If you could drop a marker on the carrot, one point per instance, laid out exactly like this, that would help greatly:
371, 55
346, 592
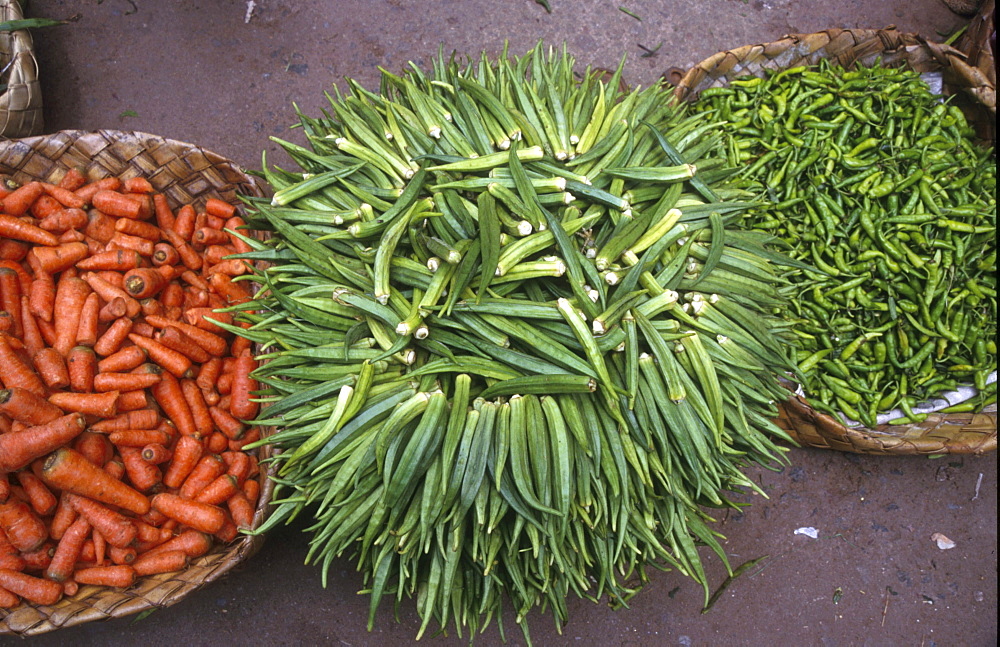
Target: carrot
122, 556
173, 338
164, 254
132, 400
168, 561
10, 298
239, 464
241, 510
125, 359
4, 487
219, 208
88, 190
235, 224
9, 600
156, 453
73, 179
170, 360
241, 405
113, 337
200, 414
27, 407
14, 371
137, 184
81, 366
205, 316
206, 470
64, 220
18, 201
232, 291
192, 543
56, 259
189, 257
100, 227
120, 576
13, 250
144, 282
33, 589
143, 475
139, 228
23, 230
71, 293
43, 206
42, 296
87, 327
251, 490
142, 246
68, 550
138, 437
51, 367
141, 419
197, 516
102, 405
68, 470
232, 428
42, 501
114, 203
31, 335
124, 381
162, 212
95, 447
205, 236
117, 260
184, 222
19, 448
211, 342
208, 373
100, 547
219, 490
24, 529
187, 453
62, 517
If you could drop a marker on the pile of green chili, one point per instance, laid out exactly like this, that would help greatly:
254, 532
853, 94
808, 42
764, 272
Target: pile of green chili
512, 339
876, 181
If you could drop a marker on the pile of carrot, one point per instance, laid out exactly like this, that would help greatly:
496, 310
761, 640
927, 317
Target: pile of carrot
125, 410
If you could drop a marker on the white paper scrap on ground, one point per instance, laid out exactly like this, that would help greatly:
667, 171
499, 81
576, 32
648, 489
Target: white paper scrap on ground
942, 542
808, 531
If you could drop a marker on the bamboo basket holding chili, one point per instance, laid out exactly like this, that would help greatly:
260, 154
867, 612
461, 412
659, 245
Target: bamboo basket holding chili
966, 427
179, 175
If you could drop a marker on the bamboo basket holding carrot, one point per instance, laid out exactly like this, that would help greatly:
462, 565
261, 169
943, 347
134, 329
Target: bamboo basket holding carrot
21, 99
87, 381
969, 87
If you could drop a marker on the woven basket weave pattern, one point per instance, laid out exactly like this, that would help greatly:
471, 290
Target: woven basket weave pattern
939, 433
21, 103
186, 174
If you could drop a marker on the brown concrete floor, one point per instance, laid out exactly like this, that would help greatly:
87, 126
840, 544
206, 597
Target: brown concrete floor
199, 72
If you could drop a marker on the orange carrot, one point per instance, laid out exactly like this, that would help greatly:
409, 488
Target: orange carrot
100, 227
143, 475
13, 250
121, 556
31, 333
19, 448
73, 179
33, 589
23, 528
56, 259
187, 453
120, 576
71, 293
173, 338
206, 470
241, 405
95, 447
133, 400
205, 236
10, 297
219, 490
113, 203
113, 310
239, 464
200, 414
141, 246
102, 405
156, 453
118, 260
251, 490
87, 327
64, 220
189, 257
138, 437
141, 419
42, 501
165, 254
168, 561
14, 371
241, 510
125, 359
27, 406
163, 213
81, 366
20, 229
137, 184
17, 202
192, 543
51, 367
112, 339
219, 208
226, 423
68, 550
197, 516
144, 282
44, 205
139, 228
68, 470
211, 342
124, 381
205, 317
42, 296
170, 360
88, 190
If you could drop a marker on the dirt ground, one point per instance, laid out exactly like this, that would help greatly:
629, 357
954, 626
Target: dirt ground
225, 75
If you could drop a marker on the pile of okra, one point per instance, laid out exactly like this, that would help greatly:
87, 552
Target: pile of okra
880, 185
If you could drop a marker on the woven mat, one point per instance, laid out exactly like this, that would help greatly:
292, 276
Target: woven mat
21, 103
186, 174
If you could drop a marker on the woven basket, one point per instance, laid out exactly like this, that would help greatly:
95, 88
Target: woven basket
185, 174
21, 103
975, 91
